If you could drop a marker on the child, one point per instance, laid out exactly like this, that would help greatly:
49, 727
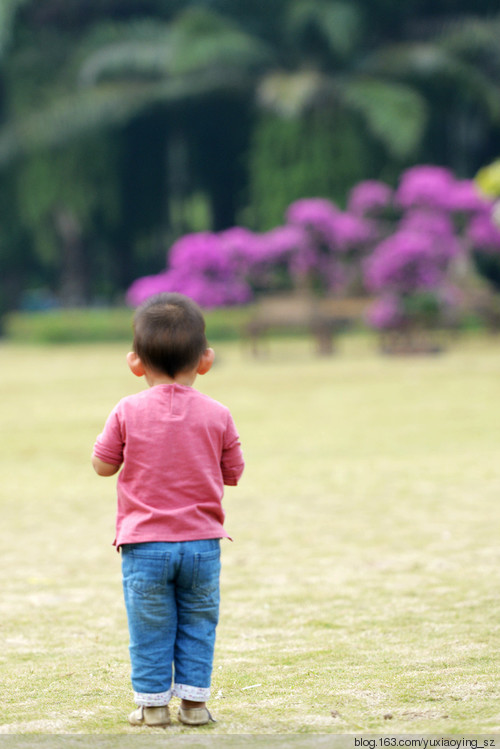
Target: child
178, 448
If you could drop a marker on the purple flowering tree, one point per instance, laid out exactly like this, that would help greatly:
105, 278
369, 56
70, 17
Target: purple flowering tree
423, 271
413, 249
370, 198
208, 267
226, 268
328, 260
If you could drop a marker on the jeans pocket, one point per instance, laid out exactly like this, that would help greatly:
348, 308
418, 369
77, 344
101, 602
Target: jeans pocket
145, 574
206, 571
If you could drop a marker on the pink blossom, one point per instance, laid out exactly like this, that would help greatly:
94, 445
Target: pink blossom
238, 238
369, 197
314, 212
405, 262
204, 266
317, 215
208, 292
203, 251
428, 186
279, 243
147, 286
465, 197
329, 226
348, 232
435, 224
237, 242
240, 247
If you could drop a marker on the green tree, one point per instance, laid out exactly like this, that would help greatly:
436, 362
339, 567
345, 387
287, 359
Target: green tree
174, 115
151, 83
375, 87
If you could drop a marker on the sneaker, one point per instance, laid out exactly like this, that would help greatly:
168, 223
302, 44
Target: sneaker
150, 716
195, 716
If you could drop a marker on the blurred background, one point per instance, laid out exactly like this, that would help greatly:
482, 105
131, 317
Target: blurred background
127, 125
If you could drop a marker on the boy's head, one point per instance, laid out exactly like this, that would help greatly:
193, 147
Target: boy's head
169, 334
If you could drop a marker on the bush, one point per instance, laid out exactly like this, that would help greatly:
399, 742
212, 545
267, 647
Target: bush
105, 325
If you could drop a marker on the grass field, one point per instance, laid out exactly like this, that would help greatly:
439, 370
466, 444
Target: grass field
362, 591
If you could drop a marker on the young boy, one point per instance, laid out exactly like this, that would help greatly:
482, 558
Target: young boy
178, 448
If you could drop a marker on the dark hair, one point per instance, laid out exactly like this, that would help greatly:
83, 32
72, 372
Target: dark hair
169, 333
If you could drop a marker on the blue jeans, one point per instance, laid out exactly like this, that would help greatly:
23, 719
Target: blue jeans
172, 601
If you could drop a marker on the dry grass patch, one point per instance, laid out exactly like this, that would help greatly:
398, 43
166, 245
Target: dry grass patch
364, 576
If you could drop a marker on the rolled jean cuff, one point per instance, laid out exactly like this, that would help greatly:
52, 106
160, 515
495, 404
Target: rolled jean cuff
194, 694
158, 699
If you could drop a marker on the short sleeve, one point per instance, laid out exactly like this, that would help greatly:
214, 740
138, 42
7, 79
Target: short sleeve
109, 444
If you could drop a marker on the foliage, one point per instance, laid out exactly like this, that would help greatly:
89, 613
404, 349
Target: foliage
85, 187
119, 70
402, 246
488, 179
241, 107
8, 9
297, 156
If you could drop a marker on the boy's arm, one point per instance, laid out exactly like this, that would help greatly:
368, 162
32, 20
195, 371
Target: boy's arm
102, 468
232, 463
107, 455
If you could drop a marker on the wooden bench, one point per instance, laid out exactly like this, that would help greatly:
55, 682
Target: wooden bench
322, 318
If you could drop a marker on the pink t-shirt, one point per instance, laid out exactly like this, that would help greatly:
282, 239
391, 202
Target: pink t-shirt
178, 448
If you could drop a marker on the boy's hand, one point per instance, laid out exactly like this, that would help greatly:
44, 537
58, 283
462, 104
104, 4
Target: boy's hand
102, 468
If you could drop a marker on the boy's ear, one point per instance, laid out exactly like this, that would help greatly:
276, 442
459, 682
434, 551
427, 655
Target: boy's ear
135, 364
206, 361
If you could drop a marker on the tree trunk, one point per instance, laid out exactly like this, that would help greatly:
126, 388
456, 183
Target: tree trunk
73, 279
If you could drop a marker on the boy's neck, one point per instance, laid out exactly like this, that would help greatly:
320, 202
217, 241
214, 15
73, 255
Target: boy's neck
159, 378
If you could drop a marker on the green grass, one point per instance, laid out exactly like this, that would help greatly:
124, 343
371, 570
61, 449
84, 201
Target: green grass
363, 581
105, 325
